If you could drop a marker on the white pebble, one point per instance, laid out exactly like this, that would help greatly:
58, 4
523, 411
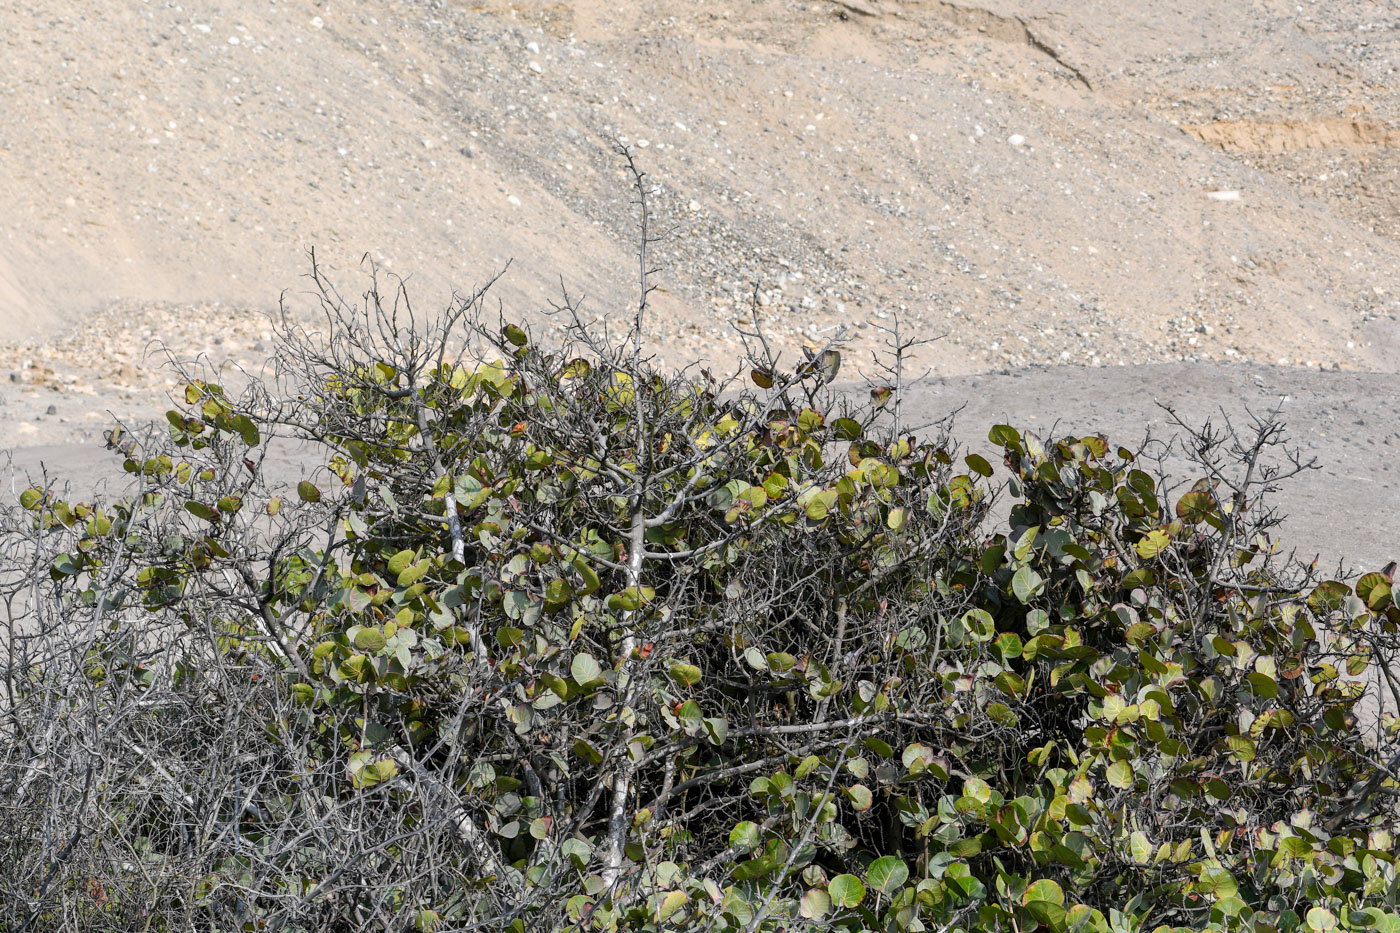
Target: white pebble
1016, 139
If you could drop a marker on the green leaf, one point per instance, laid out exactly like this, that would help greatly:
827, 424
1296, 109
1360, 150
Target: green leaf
1044, 890
590, 577
861, 797
886, 875
897, 519
370, 640
401, 562
1375, 590
31, 499
815, 904
246, 429
1321, 919
1027, 584
515, 335
821, 505
687, 675
1140, 848
1009, 644
1153, 543
717, 728
576, 369
307, 491
1195, 507
762, 378
744, 837
1004, 435
1120, 774
978, 465
585, 670
979, 624
1264, 686
632, 598
977, 789
847, 429
846, 891
557, 594
672, 902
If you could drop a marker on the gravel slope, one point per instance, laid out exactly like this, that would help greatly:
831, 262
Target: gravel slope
1087, 185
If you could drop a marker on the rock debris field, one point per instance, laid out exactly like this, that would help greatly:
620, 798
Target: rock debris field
1094, 207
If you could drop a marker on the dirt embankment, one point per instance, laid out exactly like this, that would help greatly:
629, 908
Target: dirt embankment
1077, 184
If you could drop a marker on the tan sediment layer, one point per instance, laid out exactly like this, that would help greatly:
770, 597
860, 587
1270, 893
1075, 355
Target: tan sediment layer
1294, 135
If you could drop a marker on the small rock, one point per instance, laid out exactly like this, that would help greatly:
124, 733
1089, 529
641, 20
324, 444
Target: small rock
51, 410
467, 151
513, 200
1016, 139
859, 6
535, 67
317, 22
1223, 195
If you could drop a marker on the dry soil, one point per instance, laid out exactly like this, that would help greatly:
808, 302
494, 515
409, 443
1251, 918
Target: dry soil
1094, 205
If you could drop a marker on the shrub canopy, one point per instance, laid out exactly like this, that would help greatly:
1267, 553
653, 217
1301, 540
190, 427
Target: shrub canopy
557, 641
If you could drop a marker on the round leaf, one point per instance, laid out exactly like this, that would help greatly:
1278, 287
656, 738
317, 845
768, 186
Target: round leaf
1195, 507
687, 675
1027, 584
1322, 920
846, 891
816, 904
744, 836
370, 640
887, 874
1044, 890
585, 670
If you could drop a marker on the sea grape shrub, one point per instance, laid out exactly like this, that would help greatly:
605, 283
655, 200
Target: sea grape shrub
563, 642
1182, 739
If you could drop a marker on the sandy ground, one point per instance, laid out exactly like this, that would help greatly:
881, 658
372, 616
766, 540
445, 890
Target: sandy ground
1146, 199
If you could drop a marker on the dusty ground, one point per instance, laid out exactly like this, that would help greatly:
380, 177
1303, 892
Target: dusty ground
1087, 185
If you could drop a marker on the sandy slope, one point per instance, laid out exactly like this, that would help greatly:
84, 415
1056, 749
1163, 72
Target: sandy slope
1037, 182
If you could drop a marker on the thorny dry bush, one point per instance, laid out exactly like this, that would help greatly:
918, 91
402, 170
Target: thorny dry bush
557, 641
